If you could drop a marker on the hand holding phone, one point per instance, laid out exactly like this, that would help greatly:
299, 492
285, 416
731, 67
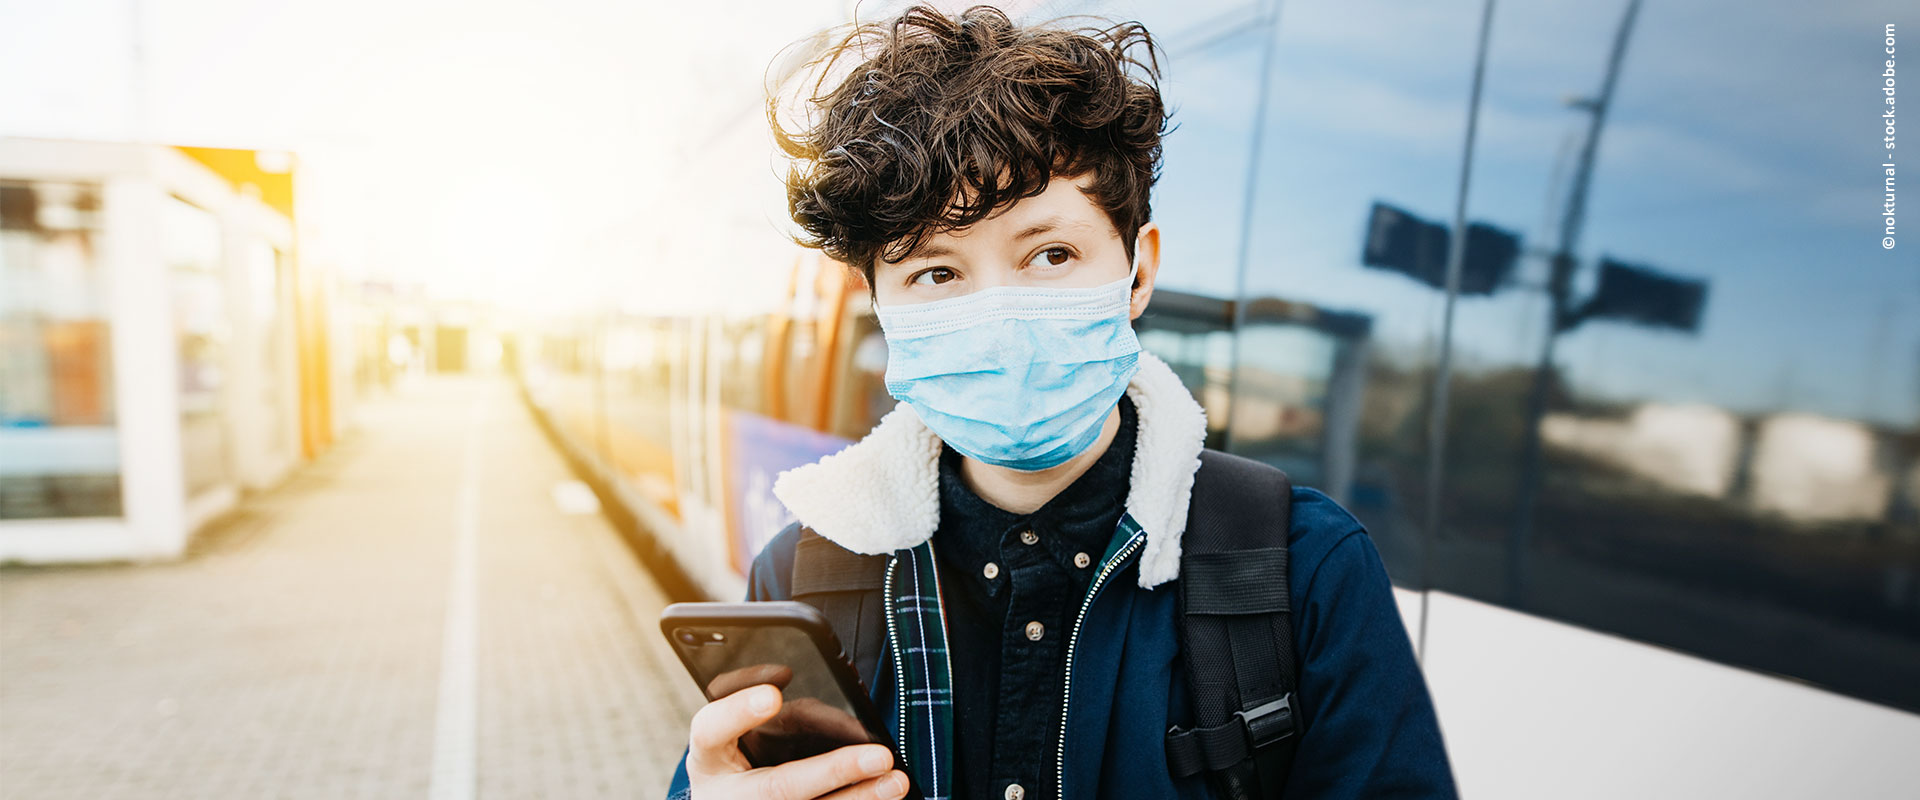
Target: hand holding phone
716, 768
787, 718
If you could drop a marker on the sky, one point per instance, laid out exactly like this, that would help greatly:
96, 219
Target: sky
476, 147
1742, 149
592, 154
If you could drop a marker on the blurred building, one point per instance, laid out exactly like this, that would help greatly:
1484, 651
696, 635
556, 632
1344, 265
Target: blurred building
161, 350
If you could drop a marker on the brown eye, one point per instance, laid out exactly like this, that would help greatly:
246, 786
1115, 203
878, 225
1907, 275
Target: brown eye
942, 270
1054, 256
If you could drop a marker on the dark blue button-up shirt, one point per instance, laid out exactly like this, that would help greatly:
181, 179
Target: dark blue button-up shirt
1007, 624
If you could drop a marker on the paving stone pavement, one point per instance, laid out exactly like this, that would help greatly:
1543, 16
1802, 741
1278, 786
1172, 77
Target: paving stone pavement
296, 652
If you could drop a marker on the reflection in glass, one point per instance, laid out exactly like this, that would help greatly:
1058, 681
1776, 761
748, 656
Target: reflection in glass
1194, 335
1726, 428
1721, 450
1300, 391
1688, 411
1367, 106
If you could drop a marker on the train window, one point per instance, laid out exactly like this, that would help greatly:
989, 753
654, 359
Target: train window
1210, 86
1194, 334
1298, 388
865, 399
1336, 359
1683, 402
799, 371
743, 384
638, 428
1717, 448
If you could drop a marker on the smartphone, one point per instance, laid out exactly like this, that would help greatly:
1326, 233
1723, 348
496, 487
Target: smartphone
731, 646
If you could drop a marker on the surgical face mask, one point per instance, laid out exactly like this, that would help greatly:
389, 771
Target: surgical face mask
1015, 376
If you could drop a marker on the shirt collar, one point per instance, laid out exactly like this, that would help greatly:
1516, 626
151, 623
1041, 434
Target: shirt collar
1078, 519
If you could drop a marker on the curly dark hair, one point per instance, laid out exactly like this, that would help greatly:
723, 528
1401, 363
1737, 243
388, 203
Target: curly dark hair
952, 118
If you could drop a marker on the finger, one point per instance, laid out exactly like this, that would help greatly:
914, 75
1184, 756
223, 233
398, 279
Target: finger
811, 777
831, 723
731, 681
713, 738
890, 786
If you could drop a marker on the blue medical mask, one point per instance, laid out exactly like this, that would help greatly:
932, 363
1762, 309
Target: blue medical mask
1014, 376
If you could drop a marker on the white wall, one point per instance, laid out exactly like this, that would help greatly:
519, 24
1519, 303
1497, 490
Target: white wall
1532, 708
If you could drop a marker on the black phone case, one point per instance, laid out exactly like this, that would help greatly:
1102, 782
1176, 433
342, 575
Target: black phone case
792, 614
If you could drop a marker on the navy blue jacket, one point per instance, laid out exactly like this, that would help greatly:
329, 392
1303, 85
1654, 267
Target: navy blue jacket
1368, 728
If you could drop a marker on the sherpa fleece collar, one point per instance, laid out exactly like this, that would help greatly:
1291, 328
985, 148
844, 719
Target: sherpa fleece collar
882, 493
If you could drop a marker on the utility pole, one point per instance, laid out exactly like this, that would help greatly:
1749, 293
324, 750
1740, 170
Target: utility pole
1271, 13
1456, 256
1562, 317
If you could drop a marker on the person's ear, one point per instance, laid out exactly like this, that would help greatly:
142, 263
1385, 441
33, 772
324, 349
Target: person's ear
861, 283
1146, 258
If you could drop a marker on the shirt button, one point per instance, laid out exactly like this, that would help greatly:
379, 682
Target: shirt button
1081, 560
1029, 537
992, 571
1035, 630
1015, 792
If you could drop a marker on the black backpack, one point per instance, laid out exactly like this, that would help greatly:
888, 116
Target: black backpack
1235, 623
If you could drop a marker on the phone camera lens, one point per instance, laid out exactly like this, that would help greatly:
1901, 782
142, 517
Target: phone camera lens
686, 636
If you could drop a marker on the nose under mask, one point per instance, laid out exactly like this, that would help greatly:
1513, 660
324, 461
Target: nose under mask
1015, 376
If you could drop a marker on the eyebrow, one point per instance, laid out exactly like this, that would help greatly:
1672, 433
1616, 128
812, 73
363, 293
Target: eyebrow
929, 250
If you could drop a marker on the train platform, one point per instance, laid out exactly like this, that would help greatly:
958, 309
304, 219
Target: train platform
430, 609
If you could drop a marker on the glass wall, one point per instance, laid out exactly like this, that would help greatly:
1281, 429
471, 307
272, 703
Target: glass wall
59, 447
1717, 447
1683, 402
1210, 62
1193, 333
1366, 104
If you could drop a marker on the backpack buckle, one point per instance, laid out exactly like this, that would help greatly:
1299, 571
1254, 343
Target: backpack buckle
1269, 723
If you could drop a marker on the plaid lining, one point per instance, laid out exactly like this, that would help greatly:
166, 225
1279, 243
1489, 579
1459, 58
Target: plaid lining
928, 681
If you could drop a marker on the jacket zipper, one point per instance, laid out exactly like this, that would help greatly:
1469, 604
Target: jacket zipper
899, 667
1073, 639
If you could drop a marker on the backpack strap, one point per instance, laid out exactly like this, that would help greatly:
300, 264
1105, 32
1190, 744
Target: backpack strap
846, 587
1236, 629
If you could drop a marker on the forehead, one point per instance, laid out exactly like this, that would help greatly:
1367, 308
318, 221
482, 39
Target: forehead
1063, 209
